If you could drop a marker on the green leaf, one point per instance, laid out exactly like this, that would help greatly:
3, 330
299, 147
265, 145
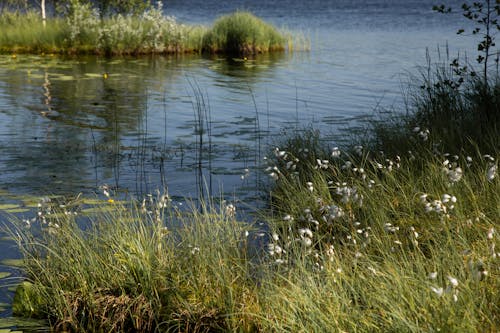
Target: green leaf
12, 262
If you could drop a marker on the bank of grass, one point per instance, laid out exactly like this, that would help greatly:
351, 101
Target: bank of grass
365, 244
83, 32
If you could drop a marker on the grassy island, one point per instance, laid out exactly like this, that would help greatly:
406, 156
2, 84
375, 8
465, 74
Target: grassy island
83, 31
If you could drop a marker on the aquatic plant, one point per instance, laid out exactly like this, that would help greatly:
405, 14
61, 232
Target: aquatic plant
242, 33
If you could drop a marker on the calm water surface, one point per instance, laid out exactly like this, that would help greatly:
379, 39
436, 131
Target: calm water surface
65, 129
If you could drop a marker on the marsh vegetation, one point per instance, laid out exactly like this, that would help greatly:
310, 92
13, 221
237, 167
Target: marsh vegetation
396, 231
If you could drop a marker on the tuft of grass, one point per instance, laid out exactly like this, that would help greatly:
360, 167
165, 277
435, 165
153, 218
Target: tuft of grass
141, 268
243, 33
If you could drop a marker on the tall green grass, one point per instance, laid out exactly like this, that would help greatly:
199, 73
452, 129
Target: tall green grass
140, 268
243, 33
25, 33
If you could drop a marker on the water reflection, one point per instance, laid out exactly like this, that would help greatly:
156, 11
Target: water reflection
72, 124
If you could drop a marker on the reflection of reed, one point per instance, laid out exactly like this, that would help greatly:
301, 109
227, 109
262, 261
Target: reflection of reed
47, 94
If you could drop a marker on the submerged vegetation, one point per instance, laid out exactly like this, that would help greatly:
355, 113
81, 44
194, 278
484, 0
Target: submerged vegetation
84, 31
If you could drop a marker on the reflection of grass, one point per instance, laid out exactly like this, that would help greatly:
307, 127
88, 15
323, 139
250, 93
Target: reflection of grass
152, 33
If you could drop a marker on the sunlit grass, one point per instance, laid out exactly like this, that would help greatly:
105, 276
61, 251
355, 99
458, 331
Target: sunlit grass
383, 244
25, 33
140, 268
243, 33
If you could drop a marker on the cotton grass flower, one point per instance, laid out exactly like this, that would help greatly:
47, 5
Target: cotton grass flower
491, 173
491, 233
454, 175
453, 281
438, 291
335, 152
230, 210
358, 150
305, 232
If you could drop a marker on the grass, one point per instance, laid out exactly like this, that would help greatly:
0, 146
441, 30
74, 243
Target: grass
243, 33
368, 244
364, 247
83, 32
130, 272
24, 33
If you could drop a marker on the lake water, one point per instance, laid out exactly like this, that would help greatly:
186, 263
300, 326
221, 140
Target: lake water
66, 129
